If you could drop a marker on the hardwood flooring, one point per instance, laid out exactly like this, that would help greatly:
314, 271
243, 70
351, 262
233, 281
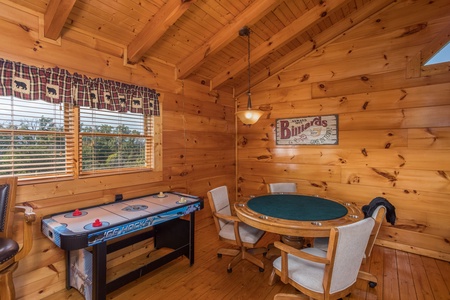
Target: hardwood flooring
401, 275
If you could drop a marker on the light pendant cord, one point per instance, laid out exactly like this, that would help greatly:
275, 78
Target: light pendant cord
249, 102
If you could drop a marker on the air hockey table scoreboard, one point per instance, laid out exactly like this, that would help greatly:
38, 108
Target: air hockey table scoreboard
87, 235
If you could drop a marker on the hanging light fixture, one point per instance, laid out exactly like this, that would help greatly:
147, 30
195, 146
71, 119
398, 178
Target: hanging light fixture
248, 116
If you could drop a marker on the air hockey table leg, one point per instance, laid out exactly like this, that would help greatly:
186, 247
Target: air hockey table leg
99, 271
68, 286
191, 238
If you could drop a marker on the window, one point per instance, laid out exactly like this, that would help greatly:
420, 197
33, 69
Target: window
56, 124
442, 56
112, 140
36, 138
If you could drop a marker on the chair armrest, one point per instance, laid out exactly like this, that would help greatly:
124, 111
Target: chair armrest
236, 221
28, 212
29, 218
227, 217
297, 252
286, 249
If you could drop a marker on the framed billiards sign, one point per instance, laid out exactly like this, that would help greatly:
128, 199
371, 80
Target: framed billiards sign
311, 130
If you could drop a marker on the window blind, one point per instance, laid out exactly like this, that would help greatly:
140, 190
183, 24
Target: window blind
114, 141
36, 138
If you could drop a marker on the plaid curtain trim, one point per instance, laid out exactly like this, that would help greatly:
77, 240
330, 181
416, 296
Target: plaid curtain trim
57, 85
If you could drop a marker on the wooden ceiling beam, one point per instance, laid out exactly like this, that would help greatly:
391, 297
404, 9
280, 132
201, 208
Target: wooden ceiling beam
155, 28
55, 17
351, 21
228, 33
301, 24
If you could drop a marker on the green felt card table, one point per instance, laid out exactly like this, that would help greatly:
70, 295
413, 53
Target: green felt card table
297, 215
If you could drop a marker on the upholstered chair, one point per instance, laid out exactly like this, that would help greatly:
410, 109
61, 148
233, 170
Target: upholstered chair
378, 215
10, 252
327, 274
231, 230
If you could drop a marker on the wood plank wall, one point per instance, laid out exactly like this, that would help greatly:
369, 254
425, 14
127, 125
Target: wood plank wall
394, 132
198, 141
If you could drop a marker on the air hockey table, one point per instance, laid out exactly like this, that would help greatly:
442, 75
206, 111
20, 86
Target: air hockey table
87, 235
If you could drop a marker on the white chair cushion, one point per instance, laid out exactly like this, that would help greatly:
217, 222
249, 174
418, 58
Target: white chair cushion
303, 272
321, 243
221, 202
283, 187
248, 234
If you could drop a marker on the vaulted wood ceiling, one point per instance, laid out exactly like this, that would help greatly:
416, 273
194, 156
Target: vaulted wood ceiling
200, 38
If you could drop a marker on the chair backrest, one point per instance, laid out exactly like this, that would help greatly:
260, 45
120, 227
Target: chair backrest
7, 204
378, 215
282, 187
347, 253
220, 203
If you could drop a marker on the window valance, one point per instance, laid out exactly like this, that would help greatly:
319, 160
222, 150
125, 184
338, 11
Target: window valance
57, 85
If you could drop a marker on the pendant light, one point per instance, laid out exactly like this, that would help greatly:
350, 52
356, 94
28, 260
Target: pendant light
248, 116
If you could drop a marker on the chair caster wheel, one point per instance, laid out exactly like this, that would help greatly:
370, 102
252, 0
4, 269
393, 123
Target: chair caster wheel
261, 269
229, 270
219, 255
372, 284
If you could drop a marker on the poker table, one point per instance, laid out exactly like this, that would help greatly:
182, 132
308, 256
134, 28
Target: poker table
296, 215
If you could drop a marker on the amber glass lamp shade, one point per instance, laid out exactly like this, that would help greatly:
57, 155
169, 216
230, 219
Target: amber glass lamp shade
249, 116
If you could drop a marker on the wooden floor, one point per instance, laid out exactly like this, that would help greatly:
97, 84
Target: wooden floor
401, 276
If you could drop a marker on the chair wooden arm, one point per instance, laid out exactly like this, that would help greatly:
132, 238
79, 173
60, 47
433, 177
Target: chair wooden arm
294, 251
29, 218
286, 249
236, 222
28, 212
227, 217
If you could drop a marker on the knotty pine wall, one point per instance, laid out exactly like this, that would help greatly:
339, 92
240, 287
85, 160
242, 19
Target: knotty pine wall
198, 143
394, 131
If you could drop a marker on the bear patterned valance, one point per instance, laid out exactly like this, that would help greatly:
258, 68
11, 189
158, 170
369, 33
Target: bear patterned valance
57, 85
